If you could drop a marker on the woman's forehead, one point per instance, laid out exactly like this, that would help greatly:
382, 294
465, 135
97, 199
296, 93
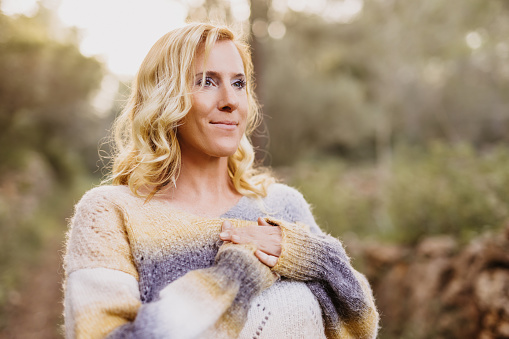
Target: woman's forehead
223, 56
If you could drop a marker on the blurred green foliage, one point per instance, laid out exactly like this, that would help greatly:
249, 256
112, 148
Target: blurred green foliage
48, 139
453, 190
400, 72
44, 93
432, 190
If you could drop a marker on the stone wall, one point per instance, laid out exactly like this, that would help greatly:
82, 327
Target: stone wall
438, 289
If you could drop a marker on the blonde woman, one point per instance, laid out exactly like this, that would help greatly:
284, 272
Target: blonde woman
190, 241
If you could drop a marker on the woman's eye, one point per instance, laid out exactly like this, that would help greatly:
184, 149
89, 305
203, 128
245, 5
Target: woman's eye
205, 83
240, 84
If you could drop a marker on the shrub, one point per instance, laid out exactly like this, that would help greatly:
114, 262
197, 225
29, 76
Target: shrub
440, 189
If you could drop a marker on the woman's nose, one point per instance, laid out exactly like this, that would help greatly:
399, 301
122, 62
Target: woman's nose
229, 100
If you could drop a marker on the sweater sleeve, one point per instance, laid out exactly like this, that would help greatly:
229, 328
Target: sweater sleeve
102, 297
320, 260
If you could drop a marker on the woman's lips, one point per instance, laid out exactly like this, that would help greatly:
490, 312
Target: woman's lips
228, 125
224, 123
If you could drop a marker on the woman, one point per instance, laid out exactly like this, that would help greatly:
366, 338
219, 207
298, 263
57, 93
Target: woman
191, 241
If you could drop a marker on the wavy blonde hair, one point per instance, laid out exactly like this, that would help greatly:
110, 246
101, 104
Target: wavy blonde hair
147, 151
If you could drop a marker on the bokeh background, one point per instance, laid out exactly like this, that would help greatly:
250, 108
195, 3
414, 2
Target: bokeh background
390, 116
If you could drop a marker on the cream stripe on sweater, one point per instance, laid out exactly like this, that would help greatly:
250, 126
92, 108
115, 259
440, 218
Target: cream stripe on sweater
144, 270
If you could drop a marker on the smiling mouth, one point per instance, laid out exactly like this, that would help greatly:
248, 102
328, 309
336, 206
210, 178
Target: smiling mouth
229, 123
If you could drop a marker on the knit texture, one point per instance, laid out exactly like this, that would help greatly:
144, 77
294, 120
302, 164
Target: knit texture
137, 269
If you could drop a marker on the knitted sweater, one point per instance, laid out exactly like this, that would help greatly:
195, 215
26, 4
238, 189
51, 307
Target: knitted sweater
137, 269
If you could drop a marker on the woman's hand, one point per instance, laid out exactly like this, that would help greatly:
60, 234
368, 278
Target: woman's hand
266, 237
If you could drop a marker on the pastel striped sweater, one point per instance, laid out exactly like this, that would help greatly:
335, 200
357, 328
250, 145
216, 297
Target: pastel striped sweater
137, 269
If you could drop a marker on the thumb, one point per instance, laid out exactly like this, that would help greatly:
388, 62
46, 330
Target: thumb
263, 222
227, 225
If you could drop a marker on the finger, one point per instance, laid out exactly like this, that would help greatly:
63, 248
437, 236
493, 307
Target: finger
227, 225
266, 259
226, 236
263, 222
226, 231
247, 235
238, 236
266, 222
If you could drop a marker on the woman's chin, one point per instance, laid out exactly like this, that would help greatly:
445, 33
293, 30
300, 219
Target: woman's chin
224, 151
225, 154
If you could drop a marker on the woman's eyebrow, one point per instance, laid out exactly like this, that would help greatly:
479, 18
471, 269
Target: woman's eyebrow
217, 74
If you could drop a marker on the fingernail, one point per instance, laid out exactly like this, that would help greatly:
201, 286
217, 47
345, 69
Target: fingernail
224, 234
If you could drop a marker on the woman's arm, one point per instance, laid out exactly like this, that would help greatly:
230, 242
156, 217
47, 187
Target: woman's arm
305, 253
344, 294
102, 296
310, 255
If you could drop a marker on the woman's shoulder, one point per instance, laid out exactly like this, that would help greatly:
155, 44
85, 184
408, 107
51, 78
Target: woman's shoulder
289, 204
285, 193
281, 196
103, 205
105, 194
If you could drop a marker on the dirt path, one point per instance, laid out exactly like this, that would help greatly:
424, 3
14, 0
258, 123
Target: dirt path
35, 311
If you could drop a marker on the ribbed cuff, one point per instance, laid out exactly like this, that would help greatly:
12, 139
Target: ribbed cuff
305, 256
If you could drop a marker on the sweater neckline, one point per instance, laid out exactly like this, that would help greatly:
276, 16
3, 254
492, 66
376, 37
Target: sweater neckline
223, 215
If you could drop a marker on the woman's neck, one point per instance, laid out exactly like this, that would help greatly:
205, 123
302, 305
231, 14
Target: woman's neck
209, 177
203, 187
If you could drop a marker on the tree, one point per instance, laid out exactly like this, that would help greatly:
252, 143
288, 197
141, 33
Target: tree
45, 86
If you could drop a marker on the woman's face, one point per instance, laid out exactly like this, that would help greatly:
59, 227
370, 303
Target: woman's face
217, 120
